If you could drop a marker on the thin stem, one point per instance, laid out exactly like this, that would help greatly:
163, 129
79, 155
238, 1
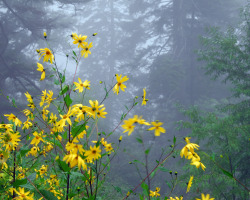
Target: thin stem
14, 171
152, 171
68, 177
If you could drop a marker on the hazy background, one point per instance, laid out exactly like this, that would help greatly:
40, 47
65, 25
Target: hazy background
153, 42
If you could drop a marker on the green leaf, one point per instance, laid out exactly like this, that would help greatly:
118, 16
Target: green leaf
14, 102
17, 183
227, 173
174, 140
63, 166
64, 89
56, 82
168, 184
145, 188
63, 79
48, 195
118, 189
76, 130
139, 140
147, 151
74, 53
163, 169
68, 100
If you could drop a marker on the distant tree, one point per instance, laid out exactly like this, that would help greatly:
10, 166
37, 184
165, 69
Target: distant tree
224, 133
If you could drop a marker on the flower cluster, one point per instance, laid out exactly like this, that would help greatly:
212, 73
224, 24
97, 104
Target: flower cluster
188, 152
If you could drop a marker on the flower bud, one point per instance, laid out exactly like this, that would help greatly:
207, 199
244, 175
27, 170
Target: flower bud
170, 172
94, 34
45, 35
176, 173
120, 138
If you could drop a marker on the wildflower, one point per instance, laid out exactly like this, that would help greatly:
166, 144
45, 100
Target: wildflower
49, 98
22, 195
119, 84
33, 151
27, 124
45, 112
38, 138
42, 171
43, 97
28, 113
198, 164
155, 193
120, 138
101, 113
108, 147
13, 118
75, 159
4, 155
139, 120
144, 100
176, 198
79, 40
95, 108
65, 118
157, 127
73, 35
189, 183
203, 197
80, 85
85, 52
45, 35
94, 34
10, 140
48, 56
93, 153
128, 126
41, 69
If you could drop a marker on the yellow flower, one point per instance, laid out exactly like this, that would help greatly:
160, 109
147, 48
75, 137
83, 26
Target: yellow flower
120, 138
38, 138
27, 124
45, 35
189, 183
48, 56
80, 85
65, 118
41, 69
93, 153
49, 98
157, 127
128, 126
43, 97
95, 108
155, 193
203, 197
108, 147
139, 120
101, 113
85, 52
119, 84
79, 40
144, 100
75, 159
22, 195
198, 164
10, 140
33, 151
42, 171
13, 118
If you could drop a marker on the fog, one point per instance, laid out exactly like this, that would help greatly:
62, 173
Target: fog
154, 43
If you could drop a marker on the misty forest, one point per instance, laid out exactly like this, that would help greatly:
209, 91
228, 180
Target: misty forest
115, 99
